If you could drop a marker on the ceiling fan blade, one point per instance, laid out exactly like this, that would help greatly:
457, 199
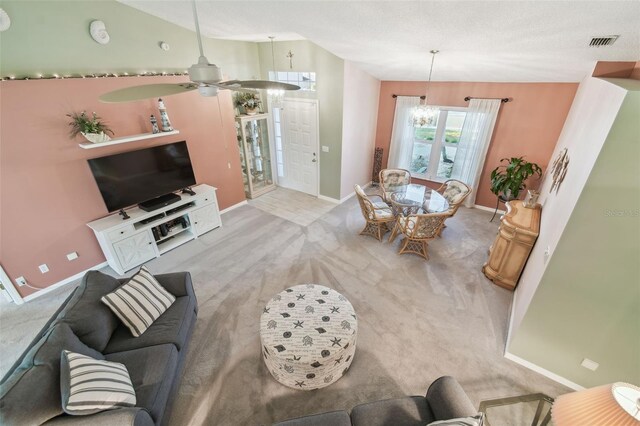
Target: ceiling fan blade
146, 91
263, 84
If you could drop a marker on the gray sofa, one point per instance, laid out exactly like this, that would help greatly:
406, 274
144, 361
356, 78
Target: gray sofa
445, 400
30, 391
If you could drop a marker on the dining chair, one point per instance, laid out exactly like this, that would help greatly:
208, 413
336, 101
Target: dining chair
390, 179
417, 230
377, 214
455, 192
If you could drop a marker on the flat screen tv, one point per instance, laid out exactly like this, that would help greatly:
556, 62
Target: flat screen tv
137, 176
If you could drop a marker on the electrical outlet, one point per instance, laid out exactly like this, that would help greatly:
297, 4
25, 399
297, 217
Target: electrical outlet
43, 268
589, 364
21, 281
547, 254
72, 256
228, 164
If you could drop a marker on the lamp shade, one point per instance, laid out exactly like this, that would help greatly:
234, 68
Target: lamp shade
616, 404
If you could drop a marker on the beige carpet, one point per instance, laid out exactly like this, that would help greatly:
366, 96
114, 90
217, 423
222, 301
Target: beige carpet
417, 320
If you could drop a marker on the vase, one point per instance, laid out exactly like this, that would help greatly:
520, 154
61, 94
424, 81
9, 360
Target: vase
251, 111
96, 137
531, 199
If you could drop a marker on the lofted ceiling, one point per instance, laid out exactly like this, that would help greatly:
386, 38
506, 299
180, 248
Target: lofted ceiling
496, 41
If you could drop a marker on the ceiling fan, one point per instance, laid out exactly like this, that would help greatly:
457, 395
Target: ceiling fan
205, 77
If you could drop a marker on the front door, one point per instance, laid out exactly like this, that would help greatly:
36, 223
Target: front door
300, 145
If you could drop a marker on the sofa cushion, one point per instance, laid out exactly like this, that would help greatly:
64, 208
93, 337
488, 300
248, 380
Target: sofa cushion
466, 421
139, 302
90, 385
152, 372
31, 394
87, 316
171, 327
408, 411
333, 418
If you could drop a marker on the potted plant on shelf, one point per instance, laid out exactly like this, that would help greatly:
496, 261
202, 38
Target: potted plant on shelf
250, 102
507, 180
91, 128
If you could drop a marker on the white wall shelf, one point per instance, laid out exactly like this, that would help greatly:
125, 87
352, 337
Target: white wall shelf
126, 139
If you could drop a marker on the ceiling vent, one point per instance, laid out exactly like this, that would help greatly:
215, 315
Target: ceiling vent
603, 41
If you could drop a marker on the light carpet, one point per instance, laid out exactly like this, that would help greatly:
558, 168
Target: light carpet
417, 320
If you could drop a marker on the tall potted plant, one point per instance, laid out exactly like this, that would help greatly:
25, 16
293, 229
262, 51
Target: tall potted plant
507, 180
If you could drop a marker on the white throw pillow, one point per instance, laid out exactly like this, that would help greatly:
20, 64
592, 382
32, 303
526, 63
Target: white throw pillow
89, 385
139, 302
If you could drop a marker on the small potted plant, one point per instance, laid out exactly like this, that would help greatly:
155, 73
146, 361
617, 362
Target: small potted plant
250, 102
91, 128
507, 180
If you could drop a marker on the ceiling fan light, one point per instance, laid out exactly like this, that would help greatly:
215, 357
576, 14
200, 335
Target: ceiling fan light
207, 91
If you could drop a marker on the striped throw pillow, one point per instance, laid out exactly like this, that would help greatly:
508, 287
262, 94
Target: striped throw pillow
89, 385
139, 302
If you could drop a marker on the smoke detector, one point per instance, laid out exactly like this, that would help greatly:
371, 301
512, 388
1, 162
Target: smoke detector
603, 41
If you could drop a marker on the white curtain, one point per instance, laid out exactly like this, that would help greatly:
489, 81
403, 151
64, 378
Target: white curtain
474, 143
401, 146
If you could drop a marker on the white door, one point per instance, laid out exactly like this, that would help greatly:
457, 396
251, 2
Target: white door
300, 145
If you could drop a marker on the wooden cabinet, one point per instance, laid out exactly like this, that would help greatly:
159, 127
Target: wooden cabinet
518, 232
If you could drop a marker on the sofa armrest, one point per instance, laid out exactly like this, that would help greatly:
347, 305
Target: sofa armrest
448, 400
178, 283
133, 416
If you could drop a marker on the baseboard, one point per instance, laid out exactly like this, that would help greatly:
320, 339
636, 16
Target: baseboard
544, 372
63, 282
489, 209
235, 206
343, 199
329, 199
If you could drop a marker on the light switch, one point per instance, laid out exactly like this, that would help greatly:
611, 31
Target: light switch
72, 256
44, 268
589, 364
325, 148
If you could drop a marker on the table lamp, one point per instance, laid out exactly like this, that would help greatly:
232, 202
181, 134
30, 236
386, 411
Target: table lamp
616, 404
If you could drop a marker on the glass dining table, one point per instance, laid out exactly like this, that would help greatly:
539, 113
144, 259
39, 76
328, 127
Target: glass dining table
414, 199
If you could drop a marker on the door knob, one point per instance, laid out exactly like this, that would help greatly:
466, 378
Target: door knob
313, 161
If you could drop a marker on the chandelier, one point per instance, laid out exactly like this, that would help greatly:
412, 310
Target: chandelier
424, 115
276, 95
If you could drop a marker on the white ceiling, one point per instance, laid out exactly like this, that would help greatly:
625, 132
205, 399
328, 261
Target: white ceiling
498, 41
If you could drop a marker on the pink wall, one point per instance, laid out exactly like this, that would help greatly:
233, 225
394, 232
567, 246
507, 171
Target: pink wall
359, 115
48, 193
528, 126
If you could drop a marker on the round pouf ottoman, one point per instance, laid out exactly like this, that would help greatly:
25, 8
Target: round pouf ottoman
308, 335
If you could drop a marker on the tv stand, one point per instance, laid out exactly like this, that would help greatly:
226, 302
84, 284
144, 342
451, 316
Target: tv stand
124, 214
147, 235
159, 202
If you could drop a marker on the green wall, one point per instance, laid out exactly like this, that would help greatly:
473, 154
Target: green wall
329, 71
53, 37
588, 302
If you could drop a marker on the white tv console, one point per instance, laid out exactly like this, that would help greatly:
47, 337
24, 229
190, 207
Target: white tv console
131, 242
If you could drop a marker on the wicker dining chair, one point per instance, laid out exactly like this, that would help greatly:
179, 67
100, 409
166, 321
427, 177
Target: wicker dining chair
418, 229
377, 215
391, 179
455, 192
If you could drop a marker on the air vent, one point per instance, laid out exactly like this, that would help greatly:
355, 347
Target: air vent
603, 41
